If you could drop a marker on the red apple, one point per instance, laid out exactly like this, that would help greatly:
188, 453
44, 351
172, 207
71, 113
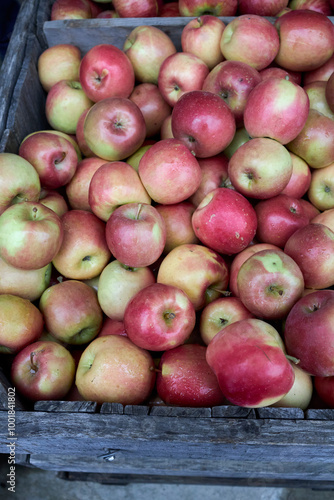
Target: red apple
326, 218
319, 97
276, 72
325, 389
135, 8
195, 8
321, 6
70, 9
170, 9
60, 62
107, 14
77, 190
300, 179
112, 327
319, 74
53, 200
262, 7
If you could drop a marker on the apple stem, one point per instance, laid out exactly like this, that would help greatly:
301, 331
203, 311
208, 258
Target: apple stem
225, 293
292, 359
33, 365
140, 205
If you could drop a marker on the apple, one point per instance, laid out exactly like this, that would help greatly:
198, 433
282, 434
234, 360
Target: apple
319, 74
306, 40
184, 378
113, 369
268, 8
251, 39
70, 137
166, 128
201, 37
233, 81
195, 8
314, 143
250, 364
248, 168
83, 253
96, 6
151, 103
77, 190
326, 218
28, 284
301, 392
60, 62
21, 323
80, 136
19, 181
53, 157
320, 192
114, 128
214, 175
316, 92
269, 284
240, 258
71, 312
30, 235
240, 137
308, 333
70, 9
276, 72
321, 6
43, 370
203, 122
179, 229
147, 47
65, 102
197, 270
134, 159
219, 314
329, 93
324, 387
133, 8
107, 14
169, 172
136, 234
170, 9
112, 327
300, 179
312, 248
225, 221
278, 218
159, 317
310, 210
180, 73
114, 184
54, 200
276, 109
118, 283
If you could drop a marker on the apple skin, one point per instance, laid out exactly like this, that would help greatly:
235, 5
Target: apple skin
180, 73
22, 323
43, 371
195, 8
201, 37
197, 270
151, 103
268, 8
324, 387
185, 379
306, 40
69, 137
326, 218
301, 392
321, 6
320, 192
329, 92
251, 39
225, 221
233, 81
276, 72
54, 200
65, 103
276, 109
118, 284
80, 136
314, 143
219, 314
84, 252
135, 8
77, 190
159, 317
312, 248
322, 73
60, 62
112, 327
74, 9
30, 235
169, 172
300, 179
105, 71
136, 234
166, 128
53, 157
28, 284
316, 92
250, 364
19, 181
147, 47
134, 159
248, 168
308, 333
114, 184
112, 369
203, 122
278, 218
269, 284
71, 312
240, 137
114, 128
170, 9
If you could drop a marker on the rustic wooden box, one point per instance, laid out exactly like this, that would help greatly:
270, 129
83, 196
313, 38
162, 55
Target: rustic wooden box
112, 443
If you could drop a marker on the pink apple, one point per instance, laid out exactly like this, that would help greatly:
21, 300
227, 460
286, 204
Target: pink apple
43, 370
170, 9
159, 317
225, 221
28, 284
326, 218
276, 109
114, 128
77, 190
169, 172
53, 200
60, 62
262, 7
320, 97
321, 6
151, 103
320, 192
203, 122
22, 323
251, 39
300, 179
136, 234
324, 387
250, 364
184, 378
201, 37
194, 8
276, 72
70, 9
133, 8
319, 74
112, 327
308, 333
107, 14
105, 71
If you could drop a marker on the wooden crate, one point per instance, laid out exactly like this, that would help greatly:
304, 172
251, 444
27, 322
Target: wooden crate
116, 444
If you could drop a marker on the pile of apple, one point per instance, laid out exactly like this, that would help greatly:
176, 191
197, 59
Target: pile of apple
171, 237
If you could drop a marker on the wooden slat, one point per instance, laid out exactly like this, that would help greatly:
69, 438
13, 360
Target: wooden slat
66, 406
4, 387
320, 414
229, 411
112, 408
271, 412
178, 411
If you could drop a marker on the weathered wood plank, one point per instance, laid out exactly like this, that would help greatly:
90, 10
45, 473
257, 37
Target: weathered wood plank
9, 142
229, 411
320, 414
6, 390
273, 412
113, 408
178, 411
66, 406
